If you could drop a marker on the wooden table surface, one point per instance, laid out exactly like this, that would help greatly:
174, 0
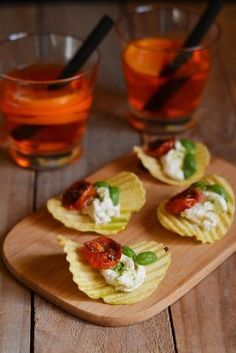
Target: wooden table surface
204, 319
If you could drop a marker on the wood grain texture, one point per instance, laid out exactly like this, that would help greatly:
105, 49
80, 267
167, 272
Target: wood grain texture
15, 300
39, 262
56, 332
15, 304
208, 311
107, 137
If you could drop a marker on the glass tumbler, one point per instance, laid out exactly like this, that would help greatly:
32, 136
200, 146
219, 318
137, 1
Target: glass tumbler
164, 80
45, 117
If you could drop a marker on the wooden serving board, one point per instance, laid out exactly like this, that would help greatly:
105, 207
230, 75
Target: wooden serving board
32, 254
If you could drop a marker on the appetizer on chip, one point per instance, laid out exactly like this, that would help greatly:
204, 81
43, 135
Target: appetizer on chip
102, 268
103, 207
204, 210
176, 162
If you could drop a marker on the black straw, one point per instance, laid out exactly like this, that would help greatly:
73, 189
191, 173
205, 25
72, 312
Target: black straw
87, 48
24, 132
169, 88
83, 53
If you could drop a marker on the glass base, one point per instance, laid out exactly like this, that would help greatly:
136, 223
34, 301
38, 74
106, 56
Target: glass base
161, 126
46, 161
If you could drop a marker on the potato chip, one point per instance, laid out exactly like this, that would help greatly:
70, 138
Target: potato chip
154, 167
132, 198
186, 228
92, 283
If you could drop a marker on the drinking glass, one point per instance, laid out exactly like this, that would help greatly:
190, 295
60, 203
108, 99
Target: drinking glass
45, 117
161, 100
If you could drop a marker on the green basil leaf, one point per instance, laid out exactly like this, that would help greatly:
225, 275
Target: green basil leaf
189, 165
145, 258
202, 185
219, 189
126, 250
114, 194
189, 146
101, 184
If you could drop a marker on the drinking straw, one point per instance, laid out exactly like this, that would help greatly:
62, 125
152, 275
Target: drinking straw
23, 132
87, 48
172, 85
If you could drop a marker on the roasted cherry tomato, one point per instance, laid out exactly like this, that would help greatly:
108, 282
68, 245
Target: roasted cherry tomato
180, 202
158, 148
102, 252
79, 195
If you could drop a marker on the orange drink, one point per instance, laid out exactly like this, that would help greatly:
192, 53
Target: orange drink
45, 118
161, 100
143, 61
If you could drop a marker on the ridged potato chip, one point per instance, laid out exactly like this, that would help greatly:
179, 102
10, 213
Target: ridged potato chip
132, 198
154, 167
185, 228
92, 283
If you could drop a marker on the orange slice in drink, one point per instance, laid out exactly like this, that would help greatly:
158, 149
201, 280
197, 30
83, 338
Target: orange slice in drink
148, 55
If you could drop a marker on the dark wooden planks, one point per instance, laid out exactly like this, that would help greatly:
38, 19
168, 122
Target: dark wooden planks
16, 201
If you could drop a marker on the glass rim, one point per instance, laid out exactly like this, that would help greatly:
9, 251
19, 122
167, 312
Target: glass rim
20, 35
151, 8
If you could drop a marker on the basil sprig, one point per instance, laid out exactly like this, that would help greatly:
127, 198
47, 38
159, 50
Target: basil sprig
217, 188
144, 258
189, 146
189, 165
114, 192
126, 250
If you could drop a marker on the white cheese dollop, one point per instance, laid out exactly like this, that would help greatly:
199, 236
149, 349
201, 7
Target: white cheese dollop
129, 277
102, 210
204, 213
172, 162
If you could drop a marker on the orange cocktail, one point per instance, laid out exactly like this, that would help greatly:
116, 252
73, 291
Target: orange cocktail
164, 77
143, 61
45, 118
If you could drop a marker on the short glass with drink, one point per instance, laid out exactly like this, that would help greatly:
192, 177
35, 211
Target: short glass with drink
163, 100
45, 117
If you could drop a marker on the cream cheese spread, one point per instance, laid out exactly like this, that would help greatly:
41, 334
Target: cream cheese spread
172, 162
204, 213
102, 210
126, 276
